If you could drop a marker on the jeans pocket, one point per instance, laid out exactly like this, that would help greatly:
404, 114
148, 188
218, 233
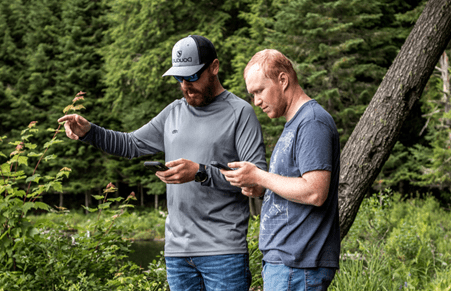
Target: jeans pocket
318, 279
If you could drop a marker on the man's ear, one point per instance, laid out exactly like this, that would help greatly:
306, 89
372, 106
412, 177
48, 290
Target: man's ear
214, 67
284, 81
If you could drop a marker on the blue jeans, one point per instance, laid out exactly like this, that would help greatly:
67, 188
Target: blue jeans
209, 273
283, 278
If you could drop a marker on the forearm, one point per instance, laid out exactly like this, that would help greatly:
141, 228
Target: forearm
116, 143
311, 191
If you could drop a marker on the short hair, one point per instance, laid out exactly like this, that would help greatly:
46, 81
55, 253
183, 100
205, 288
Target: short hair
272, 62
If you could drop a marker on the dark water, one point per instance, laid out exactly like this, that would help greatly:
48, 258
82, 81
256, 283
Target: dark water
145, 252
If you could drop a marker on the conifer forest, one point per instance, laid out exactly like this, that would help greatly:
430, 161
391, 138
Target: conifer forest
379, 67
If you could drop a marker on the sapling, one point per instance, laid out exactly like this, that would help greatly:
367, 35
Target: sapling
16, 202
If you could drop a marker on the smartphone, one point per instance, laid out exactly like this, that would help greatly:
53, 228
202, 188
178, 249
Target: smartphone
155, 166
220, 165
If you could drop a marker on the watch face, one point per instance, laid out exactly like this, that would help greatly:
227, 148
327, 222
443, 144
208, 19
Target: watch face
200, 176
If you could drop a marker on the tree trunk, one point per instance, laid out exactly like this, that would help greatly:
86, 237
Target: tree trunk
376, 133
255, 206
87, 200
156, 202
252, 206
61, 199
141, 194
444, 71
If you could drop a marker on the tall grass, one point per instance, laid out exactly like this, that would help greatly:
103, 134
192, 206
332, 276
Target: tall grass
394, 244
397, 245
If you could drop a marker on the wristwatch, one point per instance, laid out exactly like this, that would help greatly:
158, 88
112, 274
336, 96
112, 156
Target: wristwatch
201, 175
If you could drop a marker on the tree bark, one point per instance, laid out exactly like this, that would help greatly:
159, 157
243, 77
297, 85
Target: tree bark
61, 199
373, 138
255, 206
141, 194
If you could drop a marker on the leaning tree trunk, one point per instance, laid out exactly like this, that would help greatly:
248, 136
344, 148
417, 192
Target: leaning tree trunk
376, 133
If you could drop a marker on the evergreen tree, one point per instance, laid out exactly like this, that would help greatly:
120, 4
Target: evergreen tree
50, 53
342, 49
142, 35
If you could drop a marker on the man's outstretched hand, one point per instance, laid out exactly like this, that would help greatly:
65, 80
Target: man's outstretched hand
76, 126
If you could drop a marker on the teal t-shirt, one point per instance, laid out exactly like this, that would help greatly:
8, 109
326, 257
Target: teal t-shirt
203, 219
294, 234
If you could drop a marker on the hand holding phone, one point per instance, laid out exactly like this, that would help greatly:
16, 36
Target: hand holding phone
155, 166
220, 166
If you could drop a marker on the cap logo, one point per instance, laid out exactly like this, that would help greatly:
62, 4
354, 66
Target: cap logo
179, 54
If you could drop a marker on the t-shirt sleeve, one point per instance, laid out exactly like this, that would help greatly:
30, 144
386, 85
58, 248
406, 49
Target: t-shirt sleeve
249, 139
248, 144
147, 140
314, 148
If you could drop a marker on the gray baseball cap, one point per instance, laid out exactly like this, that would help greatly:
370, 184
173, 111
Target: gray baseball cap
190, 54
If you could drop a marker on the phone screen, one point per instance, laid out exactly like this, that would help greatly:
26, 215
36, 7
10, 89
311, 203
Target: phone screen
156, 166
220, 166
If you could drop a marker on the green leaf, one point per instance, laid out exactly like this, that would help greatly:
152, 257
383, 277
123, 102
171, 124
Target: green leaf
104, 205
3, 155
52, 142
90, 209
5, 168
98, 197
41, 205
127, 205
15, 143
33, 154
69, 107
63, 173
118, 199
39, 189
31, 146
20, 159
57, 186
51, 157
34, 178
27, 206
25, 137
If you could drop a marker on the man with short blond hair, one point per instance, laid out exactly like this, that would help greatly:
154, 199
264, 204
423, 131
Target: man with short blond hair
299, 227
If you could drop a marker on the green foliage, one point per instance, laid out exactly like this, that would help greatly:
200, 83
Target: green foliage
342, 49
425, 164
46, 255
395, 244
136, 225
255, 255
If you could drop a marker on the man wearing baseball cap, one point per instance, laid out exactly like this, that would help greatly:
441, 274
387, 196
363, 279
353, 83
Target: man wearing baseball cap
205, 237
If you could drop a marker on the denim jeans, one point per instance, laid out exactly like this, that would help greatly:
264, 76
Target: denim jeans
283, 278
209, 273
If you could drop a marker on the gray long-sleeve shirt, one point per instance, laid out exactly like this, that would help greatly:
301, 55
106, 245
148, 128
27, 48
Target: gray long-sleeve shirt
209, 218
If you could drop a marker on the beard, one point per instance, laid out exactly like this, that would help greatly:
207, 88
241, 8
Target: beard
202, 97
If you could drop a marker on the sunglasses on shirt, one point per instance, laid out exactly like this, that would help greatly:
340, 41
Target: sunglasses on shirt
192, 78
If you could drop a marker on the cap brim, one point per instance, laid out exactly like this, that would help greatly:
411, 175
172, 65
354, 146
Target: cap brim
183, 71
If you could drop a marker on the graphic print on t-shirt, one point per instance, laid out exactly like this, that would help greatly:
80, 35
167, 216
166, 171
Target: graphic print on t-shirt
277, 214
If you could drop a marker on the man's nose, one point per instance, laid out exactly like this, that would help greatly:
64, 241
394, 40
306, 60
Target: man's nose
257, 101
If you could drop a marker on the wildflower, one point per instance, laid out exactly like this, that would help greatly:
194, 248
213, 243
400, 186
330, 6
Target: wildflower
115, 216
110, 185
78, 98
19, 146
33, 123
132, 196
66, 169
